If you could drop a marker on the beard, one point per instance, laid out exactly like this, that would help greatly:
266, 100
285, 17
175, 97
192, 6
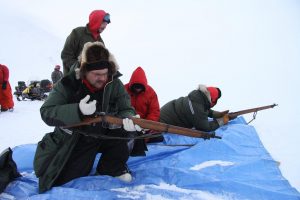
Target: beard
99, 84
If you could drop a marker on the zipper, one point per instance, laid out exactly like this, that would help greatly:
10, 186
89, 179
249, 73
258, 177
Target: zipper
112, 78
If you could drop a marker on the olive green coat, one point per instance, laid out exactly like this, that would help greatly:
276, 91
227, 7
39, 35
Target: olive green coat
62, 109
191, 111
73, 46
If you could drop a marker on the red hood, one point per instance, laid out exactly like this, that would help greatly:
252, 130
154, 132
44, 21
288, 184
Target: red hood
4, 74
95, 21
138, 76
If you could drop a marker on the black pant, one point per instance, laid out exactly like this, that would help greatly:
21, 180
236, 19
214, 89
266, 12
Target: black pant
113, 160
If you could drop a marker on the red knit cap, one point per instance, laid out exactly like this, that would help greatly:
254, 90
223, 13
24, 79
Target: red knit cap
215, 94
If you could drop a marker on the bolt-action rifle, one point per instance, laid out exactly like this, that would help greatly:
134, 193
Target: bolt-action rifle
147, 124
233, 115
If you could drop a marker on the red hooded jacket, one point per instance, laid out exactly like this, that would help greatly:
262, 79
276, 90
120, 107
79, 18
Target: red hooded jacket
6, 98
145, 103
95, 20
4, 74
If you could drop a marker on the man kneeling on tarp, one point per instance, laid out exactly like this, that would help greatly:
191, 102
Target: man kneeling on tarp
67, 154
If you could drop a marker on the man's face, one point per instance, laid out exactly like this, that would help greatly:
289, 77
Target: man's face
102, 27
97, 78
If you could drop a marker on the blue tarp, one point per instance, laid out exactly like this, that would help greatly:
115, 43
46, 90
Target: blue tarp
235, 167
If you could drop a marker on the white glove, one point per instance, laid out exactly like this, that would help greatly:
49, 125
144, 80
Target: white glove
87, 108
128, 125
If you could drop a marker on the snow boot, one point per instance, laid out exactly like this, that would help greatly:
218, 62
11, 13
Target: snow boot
126, 177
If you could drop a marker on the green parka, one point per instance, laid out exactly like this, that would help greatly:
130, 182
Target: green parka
191, 111
62, 109
74, 44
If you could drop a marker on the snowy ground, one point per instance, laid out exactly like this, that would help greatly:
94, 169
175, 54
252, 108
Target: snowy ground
23, 126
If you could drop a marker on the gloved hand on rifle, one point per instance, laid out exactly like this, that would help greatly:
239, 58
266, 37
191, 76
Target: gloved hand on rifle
128, 125
217, 115
87, 108
4, 85
223, 120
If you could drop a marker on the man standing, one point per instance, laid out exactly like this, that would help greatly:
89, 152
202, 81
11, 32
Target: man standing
56, 75
67, 154
98, 20
6, 98
193, 110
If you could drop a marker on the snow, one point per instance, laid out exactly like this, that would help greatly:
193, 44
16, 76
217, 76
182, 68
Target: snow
211, 163
139, 192
250, 49
23, 126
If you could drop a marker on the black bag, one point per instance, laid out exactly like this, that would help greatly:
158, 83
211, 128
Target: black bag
8, 169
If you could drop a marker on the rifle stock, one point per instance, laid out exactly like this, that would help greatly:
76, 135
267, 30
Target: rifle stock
233, 115
148, 124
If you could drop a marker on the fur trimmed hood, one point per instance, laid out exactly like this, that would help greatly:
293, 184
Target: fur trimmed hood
203, 89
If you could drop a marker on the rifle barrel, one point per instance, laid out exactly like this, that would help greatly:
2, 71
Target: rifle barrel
251, 110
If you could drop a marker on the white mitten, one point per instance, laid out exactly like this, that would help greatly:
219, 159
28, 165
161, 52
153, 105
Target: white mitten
87, 108
128, 125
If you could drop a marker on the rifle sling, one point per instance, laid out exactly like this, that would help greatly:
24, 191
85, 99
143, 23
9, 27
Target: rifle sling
103, 136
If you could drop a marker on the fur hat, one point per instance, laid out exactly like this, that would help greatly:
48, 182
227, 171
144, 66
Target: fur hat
95, 56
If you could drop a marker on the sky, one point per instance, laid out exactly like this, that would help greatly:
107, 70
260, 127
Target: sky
249, 49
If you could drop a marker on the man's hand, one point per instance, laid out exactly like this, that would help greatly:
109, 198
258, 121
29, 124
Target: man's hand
87, 108
128, 125
4, 85
223, 120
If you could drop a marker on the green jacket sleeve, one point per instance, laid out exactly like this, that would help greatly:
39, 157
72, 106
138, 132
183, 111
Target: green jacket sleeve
56, 111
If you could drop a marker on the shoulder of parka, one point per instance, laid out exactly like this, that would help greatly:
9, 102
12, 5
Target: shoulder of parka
199, 97
80, 30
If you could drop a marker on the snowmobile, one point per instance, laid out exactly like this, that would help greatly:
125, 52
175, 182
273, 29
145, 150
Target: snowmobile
19, 89
46, 85
35, 91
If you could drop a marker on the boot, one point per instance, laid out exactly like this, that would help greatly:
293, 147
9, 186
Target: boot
126, 177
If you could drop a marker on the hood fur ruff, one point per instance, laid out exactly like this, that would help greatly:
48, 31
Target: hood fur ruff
203, 89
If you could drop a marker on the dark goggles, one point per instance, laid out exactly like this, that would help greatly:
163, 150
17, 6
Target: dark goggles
106, 18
